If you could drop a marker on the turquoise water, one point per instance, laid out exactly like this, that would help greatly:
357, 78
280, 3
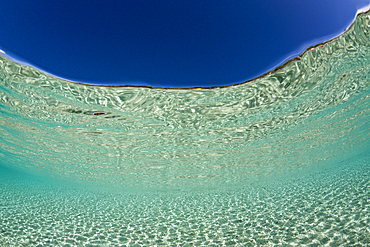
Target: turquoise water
283, 159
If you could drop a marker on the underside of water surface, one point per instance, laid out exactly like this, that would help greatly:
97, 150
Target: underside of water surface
283, 159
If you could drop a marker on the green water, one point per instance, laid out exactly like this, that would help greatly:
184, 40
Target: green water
282, 160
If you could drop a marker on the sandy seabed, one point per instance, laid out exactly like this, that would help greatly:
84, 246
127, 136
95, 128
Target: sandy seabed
326, 206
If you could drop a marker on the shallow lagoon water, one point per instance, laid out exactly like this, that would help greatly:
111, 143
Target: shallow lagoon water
283, 159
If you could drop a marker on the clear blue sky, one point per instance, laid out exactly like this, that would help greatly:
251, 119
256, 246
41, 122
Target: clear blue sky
165, 42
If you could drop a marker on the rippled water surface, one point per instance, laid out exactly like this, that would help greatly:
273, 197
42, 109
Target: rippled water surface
283, 159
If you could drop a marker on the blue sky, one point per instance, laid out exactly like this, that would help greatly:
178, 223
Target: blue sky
167, 43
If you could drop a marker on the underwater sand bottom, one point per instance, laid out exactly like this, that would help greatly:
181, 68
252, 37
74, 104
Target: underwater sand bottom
323, 208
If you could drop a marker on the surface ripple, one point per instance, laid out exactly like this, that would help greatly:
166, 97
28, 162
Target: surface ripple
158, 136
